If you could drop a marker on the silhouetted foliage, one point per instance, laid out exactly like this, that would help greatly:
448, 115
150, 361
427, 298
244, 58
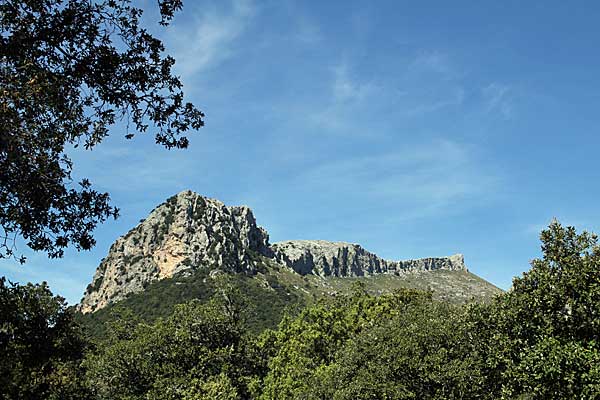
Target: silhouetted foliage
70, 70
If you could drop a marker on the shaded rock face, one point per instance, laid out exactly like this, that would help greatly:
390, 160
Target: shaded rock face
189, 231
341, 259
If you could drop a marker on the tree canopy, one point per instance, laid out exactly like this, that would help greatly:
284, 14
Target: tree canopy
41, 346
537, 341
547, 328
69, 71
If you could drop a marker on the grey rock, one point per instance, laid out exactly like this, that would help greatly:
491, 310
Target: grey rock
187, 231
190, 231
341, 259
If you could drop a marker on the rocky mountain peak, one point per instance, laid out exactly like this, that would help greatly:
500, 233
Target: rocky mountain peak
189, 231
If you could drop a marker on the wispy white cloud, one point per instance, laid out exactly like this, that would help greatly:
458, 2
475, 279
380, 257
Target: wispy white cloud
209, 39
435, 61
421, 180
345, 88
426, 85
498, 98
454, 98
336, 110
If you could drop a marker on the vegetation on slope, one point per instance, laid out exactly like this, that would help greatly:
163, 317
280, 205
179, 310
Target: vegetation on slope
266, 297
537, 341
275, 290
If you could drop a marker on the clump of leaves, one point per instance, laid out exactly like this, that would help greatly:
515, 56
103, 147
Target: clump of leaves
40, 345
547, 328
198, 352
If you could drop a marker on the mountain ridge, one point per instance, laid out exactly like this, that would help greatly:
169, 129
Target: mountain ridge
189, 232
325, 258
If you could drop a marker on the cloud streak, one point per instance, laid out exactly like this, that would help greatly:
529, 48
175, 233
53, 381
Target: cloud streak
436, 62
346, 89
498, 99
208, 40
421, 180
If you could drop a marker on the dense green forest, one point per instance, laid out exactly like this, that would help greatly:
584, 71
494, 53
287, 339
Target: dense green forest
537, 341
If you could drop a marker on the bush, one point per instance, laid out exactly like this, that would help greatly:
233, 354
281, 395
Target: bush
40, 345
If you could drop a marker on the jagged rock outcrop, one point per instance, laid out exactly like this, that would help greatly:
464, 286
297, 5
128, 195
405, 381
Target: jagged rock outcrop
189, 231
323, 258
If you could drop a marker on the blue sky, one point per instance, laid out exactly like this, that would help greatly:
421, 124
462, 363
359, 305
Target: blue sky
415, 129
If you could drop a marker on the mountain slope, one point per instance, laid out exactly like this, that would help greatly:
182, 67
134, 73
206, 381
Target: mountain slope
189, 234
275, 290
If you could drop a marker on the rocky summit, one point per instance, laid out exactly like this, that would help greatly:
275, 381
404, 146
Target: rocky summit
189, 232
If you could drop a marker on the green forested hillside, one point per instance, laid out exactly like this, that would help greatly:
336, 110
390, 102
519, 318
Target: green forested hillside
275, 290
540, 340
266, 299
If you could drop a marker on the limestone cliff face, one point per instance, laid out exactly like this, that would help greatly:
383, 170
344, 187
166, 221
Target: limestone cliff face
189, 231
324, 258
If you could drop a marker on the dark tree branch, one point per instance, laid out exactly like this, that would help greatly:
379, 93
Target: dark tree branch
68, 70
